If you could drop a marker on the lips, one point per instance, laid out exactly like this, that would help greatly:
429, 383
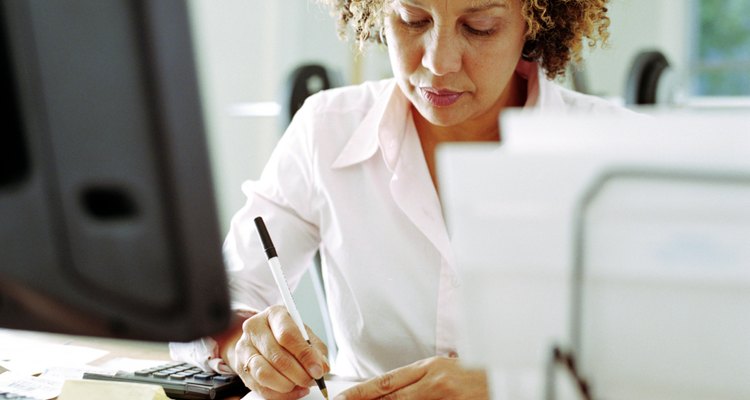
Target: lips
440, 97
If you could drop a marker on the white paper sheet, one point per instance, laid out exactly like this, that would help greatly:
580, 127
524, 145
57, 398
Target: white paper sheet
334, 386
29, 386
32, 357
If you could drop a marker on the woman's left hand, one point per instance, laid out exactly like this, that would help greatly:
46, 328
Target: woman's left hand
432, 378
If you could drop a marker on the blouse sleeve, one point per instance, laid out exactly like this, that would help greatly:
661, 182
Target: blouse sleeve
284, 197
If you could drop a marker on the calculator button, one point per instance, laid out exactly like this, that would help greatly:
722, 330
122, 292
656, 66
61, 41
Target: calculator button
222, 378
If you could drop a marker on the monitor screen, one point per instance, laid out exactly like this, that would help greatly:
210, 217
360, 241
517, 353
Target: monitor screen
108, 220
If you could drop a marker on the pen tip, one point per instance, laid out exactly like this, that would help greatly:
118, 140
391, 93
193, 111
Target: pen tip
325, 393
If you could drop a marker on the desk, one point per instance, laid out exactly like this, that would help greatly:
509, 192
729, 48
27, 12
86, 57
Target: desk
115, 347
21, 341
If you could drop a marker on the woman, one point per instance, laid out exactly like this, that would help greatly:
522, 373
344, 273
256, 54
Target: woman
354, 177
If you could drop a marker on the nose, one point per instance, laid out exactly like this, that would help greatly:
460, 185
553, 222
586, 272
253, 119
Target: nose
442, 53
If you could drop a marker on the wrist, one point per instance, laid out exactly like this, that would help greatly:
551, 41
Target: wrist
227, 340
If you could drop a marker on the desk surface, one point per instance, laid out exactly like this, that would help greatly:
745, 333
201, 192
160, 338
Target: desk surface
115, 347
59, 357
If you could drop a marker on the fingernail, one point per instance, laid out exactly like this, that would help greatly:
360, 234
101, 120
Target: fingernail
316, 371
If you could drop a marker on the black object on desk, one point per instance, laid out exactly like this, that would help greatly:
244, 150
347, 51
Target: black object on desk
181, 381
11, 396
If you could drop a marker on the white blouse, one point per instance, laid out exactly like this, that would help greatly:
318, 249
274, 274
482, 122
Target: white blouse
349, 178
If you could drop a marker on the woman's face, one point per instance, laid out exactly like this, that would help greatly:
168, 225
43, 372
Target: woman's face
453, 59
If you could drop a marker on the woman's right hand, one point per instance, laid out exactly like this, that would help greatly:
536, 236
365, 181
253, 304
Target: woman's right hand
273, 358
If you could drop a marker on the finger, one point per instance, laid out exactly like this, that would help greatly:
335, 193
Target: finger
245, 373
258, 341
244, 350
385, 384
416, 390
263, 372
283, 367
287, 334
282, 361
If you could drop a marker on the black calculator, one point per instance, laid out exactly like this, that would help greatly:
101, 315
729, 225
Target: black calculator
12, 396
181, 381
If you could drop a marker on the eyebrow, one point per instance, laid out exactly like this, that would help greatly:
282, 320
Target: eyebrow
481, 6
486, 6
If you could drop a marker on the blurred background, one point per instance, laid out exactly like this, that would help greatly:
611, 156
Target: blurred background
681, 53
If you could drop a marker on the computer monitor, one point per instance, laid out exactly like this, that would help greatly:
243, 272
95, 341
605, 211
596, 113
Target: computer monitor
108, 220
622, 240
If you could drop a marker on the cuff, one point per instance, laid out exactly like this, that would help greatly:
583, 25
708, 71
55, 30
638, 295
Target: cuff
203, 353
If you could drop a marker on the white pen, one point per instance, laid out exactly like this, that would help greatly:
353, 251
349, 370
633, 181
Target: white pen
286, 294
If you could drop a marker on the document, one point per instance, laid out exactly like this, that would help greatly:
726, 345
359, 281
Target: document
334, 385
86, 389
29, 386
32, 357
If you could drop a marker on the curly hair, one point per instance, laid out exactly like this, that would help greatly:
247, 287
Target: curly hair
556, 29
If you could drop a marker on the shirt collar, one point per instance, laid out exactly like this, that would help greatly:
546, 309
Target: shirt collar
383, 125
541, 93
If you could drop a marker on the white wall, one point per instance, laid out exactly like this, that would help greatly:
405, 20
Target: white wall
245, 50
639, 25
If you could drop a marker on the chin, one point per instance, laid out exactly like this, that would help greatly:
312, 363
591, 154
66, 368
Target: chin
441, 116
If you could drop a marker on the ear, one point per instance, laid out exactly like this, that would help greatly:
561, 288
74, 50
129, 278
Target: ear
530, 50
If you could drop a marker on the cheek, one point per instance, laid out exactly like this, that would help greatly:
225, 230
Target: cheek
404, 52
405, 57
492, 69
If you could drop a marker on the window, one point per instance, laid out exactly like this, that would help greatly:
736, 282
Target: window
721, 52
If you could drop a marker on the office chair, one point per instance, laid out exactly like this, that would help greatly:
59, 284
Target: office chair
302, 82
646, 78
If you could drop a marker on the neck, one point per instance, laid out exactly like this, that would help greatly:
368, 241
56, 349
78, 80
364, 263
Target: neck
484, 128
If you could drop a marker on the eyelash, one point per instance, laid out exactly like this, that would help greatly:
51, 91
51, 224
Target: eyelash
422, 23
414, 24
479, 32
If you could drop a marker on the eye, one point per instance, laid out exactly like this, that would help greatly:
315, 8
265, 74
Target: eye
481, 25
413, 18
414, 24
478, 32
